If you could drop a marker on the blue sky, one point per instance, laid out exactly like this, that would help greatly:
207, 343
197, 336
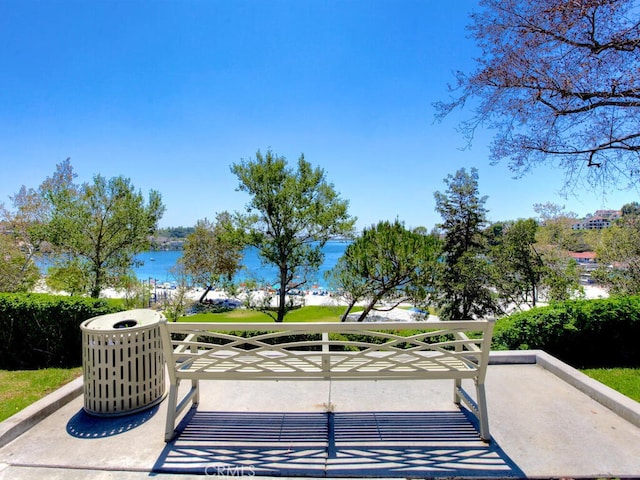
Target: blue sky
171, 93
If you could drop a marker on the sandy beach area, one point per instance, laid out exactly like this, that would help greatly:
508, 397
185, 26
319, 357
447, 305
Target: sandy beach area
307, 298
319, 297
312, 297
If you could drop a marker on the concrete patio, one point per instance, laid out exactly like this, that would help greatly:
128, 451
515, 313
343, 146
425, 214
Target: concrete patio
543, 425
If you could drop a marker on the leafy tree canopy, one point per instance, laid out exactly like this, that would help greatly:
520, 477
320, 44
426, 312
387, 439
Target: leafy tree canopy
619, 258
464, 275
290, 216
17, 274
387, 263
631, 209
24, 229
212, 254
98, 227
516, 264
175, 232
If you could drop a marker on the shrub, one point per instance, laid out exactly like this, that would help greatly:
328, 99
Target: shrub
584, 333
41, 331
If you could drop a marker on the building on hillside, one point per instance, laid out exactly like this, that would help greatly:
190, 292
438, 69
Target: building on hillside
610, 214
584, 258
588, 262
600, 219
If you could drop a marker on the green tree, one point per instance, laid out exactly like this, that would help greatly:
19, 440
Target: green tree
212, 254
24, 222
631, 209
561, 279
69, 276
17, 273
619, 258
24, 226
557, 81
175, 232
389, 264
99, 227
556, 228
463, 282
291, 215
348, 284
555, 239
175, 304
517, 266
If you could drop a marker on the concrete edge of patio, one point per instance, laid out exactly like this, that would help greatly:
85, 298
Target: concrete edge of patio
621, 405
17, 424
618, 403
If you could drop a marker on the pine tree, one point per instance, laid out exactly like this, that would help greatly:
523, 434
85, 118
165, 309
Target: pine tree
463, 283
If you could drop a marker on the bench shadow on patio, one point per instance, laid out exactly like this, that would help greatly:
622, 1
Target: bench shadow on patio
380, 444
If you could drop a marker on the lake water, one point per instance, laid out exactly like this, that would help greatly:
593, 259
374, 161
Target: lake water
158, 265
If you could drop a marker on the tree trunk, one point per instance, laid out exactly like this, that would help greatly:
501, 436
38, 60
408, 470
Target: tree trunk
204, 295
282, 298
282, 306
367, 309
346, 312
95, 288
534, 295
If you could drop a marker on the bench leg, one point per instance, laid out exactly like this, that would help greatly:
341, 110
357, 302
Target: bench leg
174, 409
478, 406
172, 401
195, 397
483, 416
457, 385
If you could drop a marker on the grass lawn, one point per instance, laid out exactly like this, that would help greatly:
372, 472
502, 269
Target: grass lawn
305, 314
624, 380
21, 388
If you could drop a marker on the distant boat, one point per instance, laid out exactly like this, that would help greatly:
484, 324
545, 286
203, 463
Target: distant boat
152, 259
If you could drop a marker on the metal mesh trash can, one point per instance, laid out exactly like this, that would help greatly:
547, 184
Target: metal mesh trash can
122, 362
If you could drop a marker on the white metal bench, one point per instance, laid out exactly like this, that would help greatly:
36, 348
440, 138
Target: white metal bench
320, 351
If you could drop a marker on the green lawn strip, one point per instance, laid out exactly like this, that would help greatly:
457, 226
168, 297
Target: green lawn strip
305, 314
624, 380
20, 388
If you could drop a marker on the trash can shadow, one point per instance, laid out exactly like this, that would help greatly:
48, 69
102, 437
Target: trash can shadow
84, 425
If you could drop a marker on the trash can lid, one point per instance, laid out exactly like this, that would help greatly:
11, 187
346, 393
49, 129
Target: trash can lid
131, 318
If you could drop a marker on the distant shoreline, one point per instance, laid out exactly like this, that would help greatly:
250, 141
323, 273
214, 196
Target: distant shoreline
157, 265
174, 244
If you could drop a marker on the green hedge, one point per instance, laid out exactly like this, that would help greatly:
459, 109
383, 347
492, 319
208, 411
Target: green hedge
583, 333
42, 331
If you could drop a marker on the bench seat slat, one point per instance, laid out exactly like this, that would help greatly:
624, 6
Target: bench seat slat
309, 363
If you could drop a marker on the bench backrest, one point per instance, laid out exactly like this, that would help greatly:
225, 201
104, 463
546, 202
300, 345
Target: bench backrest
350, 350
